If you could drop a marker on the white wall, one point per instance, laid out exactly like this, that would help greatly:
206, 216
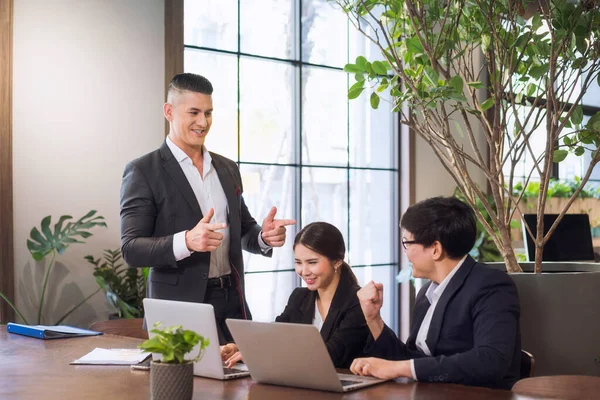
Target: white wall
88, 92
431, 179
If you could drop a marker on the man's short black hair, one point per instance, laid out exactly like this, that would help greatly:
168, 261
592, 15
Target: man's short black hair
445, 219
190, 82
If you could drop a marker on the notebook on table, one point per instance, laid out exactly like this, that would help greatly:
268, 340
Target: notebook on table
48, 331
100, 356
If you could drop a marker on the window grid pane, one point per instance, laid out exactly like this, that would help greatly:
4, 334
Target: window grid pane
281, 111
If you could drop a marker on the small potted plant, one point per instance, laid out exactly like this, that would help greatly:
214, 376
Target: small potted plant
172, 377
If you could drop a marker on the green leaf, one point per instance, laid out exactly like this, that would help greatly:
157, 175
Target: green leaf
560, 155
58, 225
382, 87
531, 89
413, 45
352, 69
361, 62
431, 75
538, 71
46, 228
83, 234
379, 68
456, 83
359, 77
486, 105
579, 151
41, 245
586, 137
485, 42
476, 85
567, 140
577, 116
36, 235
519, 98
374, 100
536, 22
354, 92
88, 215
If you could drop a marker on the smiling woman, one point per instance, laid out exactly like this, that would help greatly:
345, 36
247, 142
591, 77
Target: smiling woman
6, 188
329, 301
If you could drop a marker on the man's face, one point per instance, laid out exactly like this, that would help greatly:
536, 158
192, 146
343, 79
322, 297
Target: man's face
190, 115
420, 256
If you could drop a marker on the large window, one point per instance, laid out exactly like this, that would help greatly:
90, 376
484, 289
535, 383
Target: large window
281, 111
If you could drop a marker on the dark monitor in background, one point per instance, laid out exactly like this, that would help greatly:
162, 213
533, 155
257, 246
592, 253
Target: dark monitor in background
571, 241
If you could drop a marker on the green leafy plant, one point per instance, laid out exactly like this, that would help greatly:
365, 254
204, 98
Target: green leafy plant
56, 241
484, 83
564, 188
174, 343
125, 287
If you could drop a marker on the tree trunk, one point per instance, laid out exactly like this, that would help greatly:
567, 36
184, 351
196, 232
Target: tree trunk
512, 265
538, 258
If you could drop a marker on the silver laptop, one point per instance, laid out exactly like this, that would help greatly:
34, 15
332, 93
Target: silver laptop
199, 318
291, 355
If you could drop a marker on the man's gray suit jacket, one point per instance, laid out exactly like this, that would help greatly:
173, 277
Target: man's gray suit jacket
156, 202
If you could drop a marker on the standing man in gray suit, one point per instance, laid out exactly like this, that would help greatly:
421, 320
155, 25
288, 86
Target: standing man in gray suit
183, 214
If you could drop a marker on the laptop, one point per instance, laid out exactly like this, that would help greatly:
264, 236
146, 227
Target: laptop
291, 355
199, 318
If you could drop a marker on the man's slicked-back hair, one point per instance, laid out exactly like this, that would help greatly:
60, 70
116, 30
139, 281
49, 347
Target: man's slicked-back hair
191, 83
444, 219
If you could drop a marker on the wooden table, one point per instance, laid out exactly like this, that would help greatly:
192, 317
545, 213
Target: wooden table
39, 369
560, 387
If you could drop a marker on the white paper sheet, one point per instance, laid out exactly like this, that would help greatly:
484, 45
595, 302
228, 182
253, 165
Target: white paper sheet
100, 356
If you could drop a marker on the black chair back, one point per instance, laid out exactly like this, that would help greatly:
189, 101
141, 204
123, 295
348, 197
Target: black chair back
527, 364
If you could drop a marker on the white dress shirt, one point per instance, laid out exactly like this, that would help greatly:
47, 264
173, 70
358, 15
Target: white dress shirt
433, 294
317, 320
209, 193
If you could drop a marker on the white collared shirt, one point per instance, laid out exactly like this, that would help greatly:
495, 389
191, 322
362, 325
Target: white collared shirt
433, 294
210, 194
317, 320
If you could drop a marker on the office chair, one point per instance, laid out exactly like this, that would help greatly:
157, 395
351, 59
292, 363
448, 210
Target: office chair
527, 364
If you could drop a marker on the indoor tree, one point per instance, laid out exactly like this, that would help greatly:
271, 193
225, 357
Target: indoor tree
484, 82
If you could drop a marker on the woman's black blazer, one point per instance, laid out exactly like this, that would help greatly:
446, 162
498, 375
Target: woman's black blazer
344, 330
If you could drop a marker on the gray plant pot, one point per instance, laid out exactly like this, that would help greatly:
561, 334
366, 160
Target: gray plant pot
172, 381
560, 317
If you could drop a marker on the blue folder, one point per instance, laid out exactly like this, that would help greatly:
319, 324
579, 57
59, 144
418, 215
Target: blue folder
49, 332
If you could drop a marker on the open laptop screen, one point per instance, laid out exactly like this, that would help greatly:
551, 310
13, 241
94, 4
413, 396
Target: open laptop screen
571, 241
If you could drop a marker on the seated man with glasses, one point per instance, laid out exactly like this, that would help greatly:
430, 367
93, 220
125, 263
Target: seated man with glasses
465, 322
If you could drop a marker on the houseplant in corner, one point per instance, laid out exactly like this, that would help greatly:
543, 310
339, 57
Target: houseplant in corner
55, 242
496, 88
172, 377
125, 287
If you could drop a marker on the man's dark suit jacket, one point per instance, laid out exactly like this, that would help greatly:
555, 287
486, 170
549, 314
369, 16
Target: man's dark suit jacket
474, 336
344, 330
156, 202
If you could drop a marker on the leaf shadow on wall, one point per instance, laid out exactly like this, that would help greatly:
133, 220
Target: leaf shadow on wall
60, 296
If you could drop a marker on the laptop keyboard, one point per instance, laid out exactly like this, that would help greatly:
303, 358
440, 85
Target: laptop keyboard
230, 371
348, 383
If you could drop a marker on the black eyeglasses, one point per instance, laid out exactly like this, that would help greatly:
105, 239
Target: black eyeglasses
405, 242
